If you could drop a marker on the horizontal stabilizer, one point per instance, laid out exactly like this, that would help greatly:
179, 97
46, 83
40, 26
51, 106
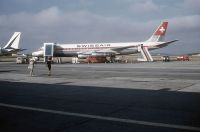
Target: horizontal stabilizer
167, 43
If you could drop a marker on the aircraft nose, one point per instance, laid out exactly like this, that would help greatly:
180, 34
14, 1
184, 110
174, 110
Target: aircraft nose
37, 53
34, 53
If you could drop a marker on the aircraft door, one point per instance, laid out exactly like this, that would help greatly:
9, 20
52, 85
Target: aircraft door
48, 50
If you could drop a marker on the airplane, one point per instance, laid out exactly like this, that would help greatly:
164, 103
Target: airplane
83, 50
12, 47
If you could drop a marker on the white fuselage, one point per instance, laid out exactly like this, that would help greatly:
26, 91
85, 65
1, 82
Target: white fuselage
69, 50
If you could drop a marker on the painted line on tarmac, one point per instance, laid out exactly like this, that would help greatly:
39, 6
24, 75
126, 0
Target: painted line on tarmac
130, 121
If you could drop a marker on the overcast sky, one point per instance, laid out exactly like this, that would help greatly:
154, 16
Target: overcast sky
75, 21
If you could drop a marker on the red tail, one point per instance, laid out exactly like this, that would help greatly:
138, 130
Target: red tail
159, 34
161, 29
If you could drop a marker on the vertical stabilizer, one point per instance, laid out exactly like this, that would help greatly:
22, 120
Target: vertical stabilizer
13, 43
159, 34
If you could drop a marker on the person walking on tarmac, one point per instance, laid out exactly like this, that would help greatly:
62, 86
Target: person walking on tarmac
31, 66
49, 61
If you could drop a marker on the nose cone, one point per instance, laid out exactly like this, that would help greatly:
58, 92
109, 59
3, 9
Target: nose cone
34, 53
37, 53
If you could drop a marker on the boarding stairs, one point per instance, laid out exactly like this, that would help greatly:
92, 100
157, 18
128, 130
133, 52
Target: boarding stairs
145, 53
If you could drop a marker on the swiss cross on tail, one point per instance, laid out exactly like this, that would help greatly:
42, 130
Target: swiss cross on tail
161, 29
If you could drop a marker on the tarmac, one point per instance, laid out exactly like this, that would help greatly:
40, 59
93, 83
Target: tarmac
154, 96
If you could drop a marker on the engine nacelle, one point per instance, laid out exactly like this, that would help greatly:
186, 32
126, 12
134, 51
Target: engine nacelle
82, 56
99, 54
2, 51
94, 54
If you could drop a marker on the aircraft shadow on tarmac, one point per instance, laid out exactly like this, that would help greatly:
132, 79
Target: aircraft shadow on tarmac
3, 71
163, 106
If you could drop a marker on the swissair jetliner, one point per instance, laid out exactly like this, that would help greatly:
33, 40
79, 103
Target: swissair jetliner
12, 47
83, 50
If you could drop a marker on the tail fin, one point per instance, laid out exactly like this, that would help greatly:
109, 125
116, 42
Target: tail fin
13, 43
159, 34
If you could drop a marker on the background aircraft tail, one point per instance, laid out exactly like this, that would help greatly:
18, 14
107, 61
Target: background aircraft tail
159, 34
13, 43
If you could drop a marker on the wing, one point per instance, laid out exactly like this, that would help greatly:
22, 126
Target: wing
124, 47
105, 52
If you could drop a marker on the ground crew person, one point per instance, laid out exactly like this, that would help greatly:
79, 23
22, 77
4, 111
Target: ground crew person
49, 61
31, 66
